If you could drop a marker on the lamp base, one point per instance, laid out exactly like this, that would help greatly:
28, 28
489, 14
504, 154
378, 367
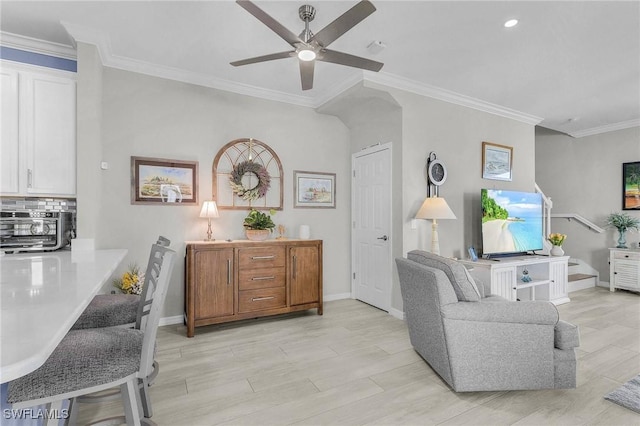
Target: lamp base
435, 243
209, 232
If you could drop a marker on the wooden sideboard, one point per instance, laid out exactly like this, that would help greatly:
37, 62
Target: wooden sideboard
234, 280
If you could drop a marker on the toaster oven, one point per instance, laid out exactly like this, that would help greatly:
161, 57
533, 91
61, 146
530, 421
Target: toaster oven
35, 230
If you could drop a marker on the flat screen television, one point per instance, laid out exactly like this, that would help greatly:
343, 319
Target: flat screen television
511, 222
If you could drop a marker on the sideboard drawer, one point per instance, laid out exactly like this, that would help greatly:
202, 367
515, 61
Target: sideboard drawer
261, 257
629, 255
261, 278
258, 300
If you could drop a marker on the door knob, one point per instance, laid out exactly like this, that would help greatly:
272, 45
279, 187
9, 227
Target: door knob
383, 238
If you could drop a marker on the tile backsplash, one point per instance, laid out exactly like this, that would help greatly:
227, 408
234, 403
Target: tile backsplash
35, 203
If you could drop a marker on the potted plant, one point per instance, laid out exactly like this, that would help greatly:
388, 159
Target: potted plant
556, 240
258, 225
623, 222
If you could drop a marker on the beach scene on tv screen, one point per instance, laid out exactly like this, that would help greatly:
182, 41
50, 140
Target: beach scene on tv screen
511, 221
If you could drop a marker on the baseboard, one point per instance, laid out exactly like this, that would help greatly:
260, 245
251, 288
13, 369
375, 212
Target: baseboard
178, 319
604, 284
396, 313
339, 296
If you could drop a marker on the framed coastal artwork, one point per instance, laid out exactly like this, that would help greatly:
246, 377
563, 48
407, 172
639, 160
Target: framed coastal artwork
163, 182
496, 161
631, 186
314, 190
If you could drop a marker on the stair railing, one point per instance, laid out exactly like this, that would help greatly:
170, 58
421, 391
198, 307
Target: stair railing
570, 216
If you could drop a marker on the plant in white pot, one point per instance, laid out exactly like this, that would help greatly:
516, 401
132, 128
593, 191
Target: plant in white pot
623, 222
258, 225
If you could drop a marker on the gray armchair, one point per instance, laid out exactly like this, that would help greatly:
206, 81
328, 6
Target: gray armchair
478, 343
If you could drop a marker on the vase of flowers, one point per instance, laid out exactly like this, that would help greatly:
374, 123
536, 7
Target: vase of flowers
131, 282
258, 225
623, 222
556, 240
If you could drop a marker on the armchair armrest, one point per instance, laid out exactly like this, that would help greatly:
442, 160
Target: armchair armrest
526, 312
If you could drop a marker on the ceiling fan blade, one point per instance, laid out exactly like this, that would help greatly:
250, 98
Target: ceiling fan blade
344, 23
274, 25
306, 74
264, 58
336, 57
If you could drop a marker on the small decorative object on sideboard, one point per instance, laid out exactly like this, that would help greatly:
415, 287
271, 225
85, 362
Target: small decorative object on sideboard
259, 225
525, 276
623, 222
557, 239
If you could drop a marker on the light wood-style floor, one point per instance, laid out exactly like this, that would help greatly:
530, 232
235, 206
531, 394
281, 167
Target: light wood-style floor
355, 365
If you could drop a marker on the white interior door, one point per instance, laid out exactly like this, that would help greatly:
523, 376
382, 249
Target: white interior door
371, 223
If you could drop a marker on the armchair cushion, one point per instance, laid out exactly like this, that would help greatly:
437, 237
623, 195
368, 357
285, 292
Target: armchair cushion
463, 284
566, 335
526, 312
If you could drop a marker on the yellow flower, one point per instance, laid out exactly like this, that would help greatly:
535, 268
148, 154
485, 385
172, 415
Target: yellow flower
557, 239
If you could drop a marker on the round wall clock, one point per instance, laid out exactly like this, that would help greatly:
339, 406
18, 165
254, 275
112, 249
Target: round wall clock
436, 170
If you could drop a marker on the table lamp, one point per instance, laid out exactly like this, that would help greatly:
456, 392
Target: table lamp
209, 210
435, 208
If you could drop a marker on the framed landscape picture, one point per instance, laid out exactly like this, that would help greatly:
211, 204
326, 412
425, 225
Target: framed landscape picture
496, 161
314, 190
631, 186
163, 182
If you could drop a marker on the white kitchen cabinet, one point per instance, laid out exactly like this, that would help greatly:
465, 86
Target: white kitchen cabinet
38, 131
624, 269
548, 279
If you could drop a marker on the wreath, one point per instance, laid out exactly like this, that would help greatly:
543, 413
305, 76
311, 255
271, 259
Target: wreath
258, 191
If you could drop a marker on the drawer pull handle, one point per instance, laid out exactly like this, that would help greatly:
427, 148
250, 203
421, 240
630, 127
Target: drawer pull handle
257, 299
228, 271
262, 278
262, 257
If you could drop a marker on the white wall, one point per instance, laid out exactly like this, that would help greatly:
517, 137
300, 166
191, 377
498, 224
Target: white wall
152, 117
584, 176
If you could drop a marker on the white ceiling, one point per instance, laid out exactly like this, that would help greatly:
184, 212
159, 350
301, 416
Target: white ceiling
573, 64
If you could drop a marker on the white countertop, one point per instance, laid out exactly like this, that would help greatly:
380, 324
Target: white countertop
41, 297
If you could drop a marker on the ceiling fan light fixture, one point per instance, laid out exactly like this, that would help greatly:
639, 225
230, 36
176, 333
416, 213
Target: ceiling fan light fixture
306, 55
511, 23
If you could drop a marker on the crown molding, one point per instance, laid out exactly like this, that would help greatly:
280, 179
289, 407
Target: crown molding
109, 59
606, 128
101, 41
33, 45
429, 91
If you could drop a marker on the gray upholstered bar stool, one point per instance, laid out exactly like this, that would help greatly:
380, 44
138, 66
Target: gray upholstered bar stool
114, 310
97, 359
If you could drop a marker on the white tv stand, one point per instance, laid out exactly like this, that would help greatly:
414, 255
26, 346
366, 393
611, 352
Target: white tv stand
549, 277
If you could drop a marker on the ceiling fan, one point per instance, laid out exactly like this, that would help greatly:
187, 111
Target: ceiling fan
310, 47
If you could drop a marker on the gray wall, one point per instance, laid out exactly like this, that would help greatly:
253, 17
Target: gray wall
417, 125
153, 117
584, 176
456, 134
89, 140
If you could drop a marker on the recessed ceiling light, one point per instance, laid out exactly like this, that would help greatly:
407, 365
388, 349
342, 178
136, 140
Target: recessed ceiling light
511, 23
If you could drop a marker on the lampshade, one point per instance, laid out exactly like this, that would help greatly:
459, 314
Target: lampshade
435, 208
209, 209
